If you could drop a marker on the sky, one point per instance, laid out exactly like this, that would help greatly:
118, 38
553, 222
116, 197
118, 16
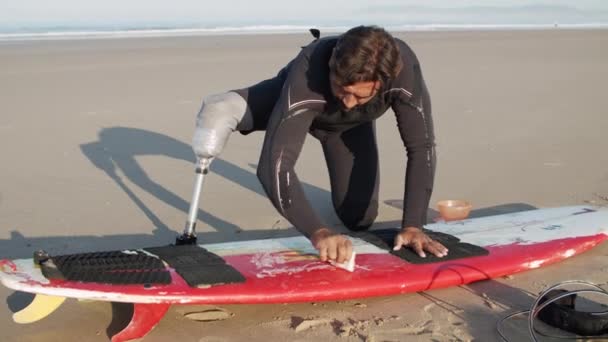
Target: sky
203, 13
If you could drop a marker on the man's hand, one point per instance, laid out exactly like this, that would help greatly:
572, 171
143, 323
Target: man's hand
416, 239
332, 246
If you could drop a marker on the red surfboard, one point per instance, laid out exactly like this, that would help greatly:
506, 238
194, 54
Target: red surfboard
287, 270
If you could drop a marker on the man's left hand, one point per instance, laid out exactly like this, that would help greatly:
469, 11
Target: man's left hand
416, 239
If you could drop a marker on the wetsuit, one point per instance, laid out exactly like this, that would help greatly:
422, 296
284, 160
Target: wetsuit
299, 101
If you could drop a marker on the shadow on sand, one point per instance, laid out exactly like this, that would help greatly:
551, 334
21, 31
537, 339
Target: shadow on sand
115, 153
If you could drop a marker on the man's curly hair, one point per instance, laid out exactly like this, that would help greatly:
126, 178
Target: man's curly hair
365, 54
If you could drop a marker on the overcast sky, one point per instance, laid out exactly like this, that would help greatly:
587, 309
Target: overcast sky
252, 12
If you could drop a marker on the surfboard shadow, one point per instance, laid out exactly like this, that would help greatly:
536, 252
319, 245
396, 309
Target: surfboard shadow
480, 319
18, 300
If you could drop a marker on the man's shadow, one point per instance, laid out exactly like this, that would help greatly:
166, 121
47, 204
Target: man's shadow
115, 153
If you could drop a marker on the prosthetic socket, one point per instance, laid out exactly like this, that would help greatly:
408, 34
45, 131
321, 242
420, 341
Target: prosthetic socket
220, 115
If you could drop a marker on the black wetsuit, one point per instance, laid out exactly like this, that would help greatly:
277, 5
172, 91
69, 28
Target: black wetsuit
299, 101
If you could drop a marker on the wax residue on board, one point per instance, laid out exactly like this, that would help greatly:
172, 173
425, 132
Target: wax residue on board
273, 264
534, 264
24, 271
569, 253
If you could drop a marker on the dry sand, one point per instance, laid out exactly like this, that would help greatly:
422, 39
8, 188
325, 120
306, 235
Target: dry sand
94, 139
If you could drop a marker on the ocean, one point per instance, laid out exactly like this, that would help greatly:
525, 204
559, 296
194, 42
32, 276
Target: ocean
71, 19
62, 33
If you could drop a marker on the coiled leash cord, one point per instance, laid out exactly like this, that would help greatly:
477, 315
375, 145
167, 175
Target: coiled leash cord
573, 317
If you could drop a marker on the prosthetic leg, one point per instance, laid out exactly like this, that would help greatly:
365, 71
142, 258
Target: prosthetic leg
188, 237
219, 116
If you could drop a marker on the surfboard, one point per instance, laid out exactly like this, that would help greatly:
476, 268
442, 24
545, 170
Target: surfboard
286, 270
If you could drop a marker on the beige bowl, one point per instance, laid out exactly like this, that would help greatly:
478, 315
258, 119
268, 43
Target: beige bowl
451, 210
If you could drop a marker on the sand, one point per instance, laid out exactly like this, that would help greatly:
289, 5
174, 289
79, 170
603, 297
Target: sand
94, 139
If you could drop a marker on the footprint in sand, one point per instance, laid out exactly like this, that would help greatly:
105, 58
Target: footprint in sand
300, 324
352, 328
209, 315
489, 302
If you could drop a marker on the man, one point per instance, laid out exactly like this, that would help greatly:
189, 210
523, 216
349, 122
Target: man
335, 89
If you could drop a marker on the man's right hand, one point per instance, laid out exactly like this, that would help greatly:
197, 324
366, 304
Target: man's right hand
332, 246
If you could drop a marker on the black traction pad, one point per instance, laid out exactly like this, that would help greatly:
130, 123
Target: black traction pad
114, 267
197, 265
384, 239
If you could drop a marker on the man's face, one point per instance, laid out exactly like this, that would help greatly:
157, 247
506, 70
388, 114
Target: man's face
355, 94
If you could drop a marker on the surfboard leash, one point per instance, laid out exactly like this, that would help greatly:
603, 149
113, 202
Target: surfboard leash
559, 312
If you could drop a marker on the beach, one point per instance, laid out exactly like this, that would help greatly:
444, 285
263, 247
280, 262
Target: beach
95, 144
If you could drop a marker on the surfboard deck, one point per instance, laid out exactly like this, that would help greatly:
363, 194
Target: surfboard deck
286, 270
